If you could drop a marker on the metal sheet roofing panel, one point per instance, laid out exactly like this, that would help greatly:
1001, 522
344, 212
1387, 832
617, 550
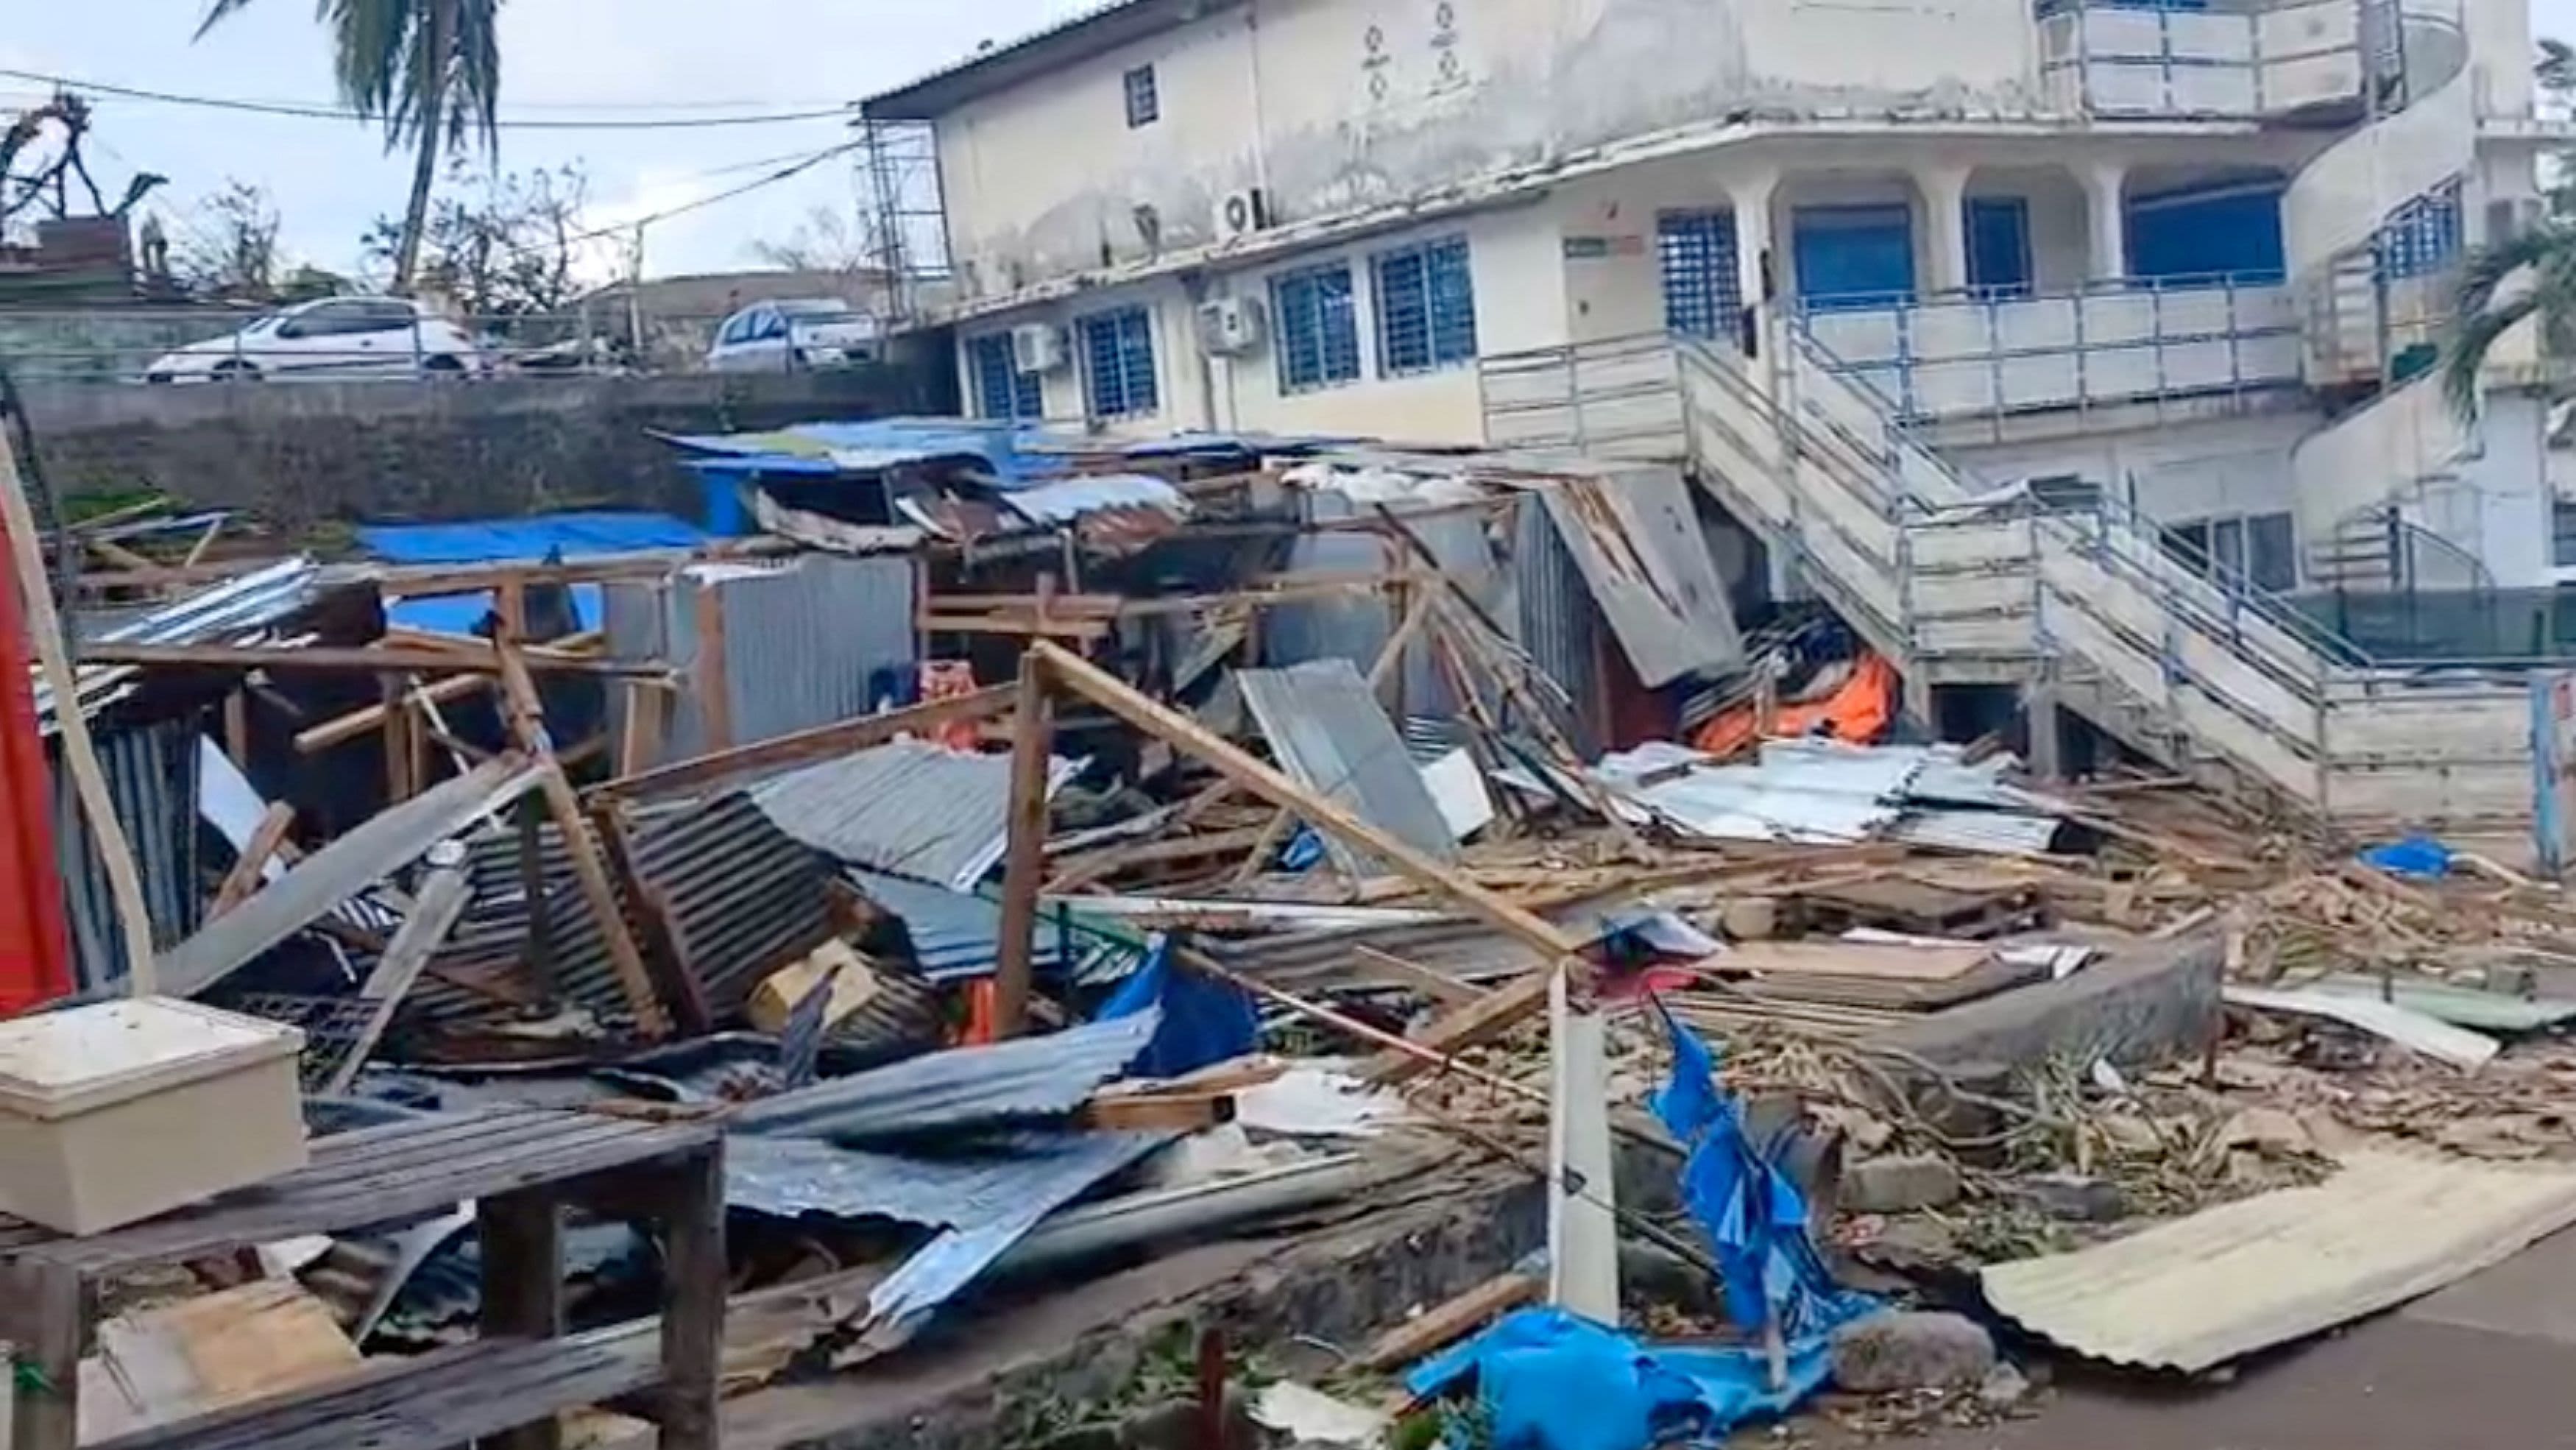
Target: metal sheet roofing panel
500, 540
957, 935
1068, 499
1028, 1078
1328, 730
2200, 1291
1636, 537
1802, 790
909, 807
790, 1177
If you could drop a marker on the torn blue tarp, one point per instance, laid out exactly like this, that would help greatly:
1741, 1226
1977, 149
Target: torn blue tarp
1753, 1215
1551, 1380
505, 541
2420, 857
1204, 1020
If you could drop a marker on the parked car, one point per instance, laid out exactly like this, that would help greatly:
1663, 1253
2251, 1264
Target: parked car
784, 337
334, 337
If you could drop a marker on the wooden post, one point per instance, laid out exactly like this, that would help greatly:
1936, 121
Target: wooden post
237, 729
526, 715
1032, 736
523, 1297
266, 839
45, 1310
80, 755
693, 1312
714, 682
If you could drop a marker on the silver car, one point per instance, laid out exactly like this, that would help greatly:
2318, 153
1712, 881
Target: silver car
792, 336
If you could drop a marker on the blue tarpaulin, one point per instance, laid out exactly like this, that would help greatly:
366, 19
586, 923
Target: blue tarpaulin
1555, 1381
1205, 1021
2420, 857
506, 541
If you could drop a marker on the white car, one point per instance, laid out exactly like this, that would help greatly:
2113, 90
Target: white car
335, 337
782, 337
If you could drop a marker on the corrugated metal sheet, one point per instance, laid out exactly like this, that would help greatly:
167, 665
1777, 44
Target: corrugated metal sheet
957, 935
1029, 1078
233, 611
2000, 833
909, 807
1068, 499
1823, 791
745, 899
1328, 731
2200, 1291
1560, 628
818, 639
984, 1182
1634, 533
152, 784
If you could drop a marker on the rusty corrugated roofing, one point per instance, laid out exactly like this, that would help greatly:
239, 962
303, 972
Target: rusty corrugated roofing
2200, 1291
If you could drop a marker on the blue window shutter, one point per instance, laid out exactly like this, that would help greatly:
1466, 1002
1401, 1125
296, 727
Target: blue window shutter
1999, 246
2208, 234
1853, 256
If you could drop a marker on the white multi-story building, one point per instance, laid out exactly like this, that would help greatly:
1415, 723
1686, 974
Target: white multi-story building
2162, 250
2188, 261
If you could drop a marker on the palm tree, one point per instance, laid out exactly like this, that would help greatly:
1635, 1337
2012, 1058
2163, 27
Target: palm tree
429, 70
2532, 274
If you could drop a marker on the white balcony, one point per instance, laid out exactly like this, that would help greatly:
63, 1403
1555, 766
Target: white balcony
2111, 60
1969, 358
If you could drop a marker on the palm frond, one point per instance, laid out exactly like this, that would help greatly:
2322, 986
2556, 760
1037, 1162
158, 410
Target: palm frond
2532, 275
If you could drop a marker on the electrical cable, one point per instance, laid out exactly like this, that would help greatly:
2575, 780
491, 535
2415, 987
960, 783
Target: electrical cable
300, 111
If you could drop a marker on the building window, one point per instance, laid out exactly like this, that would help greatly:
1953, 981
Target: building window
2423, 236
1999, 246
1144, 100
1853, 256
2209, 234
1001, 389
2562, 531
1696, 250
1426, 308
2256, 549
1118, 364
1317, 328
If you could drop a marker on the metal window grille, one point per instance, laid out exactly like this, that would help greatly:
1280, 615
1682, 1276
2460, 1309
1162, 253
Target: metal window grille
1001, 389
2423, 236
1426, 308
1696, 251
1316, 329
1118, 363
2562, 551
1144, 98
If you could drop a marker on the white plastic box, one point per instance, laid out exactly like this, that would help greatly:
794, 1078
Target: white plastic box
113, 1113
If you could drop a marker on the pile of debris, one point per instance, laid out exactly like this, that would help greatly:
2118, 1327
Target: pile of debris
1059, 930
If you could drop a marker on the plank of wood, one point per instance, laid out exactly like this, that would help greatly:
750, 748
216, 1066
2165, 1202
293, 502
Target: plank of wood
1024, 858
341, 729
709, 678
1481, 1021
522, 1238
45, 634
1449, 1321
175, 1362
1167, 1110
526, 714
1908, 963
265, 840
440, 905
1439, 986
822, 742
373, 659
693, 1320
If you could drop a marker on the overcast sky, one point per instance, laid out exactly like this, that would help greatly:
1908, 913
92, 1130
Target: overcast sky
561, 59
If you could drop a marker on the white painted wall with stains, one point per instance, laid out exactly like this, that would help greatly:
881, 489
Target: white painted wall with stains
1335, 105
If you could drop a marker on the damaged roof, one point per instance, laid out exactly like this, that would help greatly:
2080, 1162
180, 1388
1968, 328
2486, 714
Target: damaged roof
1017, 1081
908, 807
1068, 42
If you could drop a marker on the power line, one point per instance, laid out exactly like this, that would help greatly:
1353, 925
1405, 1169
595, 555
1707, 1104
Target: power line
341, 113
784, 173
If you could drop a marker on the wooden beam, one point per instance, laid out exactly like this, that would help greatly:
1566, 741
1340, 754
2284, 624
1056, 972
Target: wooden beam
266, 839
1473, 1024
79, 754
1448, 1322
1176, 1111
429, 580
1024, 862
434, 914
370, 658
821, 743
341, 729
1258, 778
527, 723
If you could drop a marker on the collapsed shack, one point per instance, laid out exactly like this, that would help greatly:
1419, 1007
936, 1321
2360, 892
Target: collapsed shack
1046, 864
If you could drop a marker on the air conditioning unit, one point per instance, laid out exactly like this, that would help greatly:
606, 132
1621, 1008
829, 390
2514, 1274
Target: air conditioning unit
1038, 347
1241, 213
1232, 326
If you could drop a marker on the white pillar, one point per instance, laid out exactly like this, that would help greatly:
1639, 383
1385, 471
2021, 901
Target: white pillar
1945, 207
2105, 220
1751, 194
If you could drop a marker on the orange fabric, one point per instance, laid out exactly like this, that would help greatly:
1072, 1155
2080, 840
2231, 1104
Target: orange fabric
1856, 714
978, 1031
946, 680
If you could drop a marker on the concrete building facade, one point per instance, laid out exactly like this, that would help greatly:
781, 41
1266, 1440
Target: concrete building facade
2189, 260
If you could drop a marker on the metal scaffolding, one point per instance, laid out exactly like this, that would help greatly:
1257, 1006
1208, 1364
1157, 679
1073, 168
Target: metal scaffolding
907, 217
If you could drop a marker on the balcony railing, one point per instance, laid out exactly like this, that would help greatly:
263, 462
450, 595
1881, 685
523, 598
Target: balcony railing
2121, 60
1968, 357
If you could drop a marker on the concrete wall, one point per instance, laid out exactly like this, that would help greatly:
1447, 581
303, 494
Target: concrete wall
2171, 472
1330, 105
305, 453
